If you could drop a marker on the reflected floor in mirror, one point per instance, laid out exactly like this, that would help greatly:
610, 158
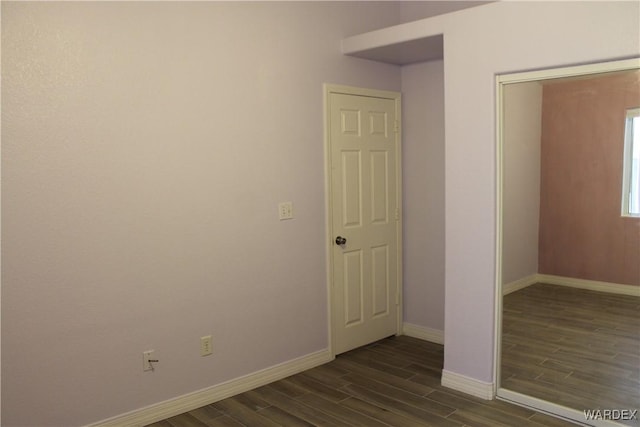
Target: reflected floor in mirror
573, 347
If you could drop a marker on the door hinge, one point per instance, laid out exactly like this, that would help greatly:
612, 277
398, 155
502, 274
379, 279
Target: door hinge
397, 214
396, 126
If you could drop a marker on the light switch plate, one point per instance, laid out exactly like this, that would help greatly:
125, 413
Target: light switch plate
285, 210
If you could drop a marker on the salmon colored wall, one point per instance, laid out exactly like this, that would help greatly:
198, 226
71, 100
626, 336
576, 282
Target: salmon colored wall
582, 234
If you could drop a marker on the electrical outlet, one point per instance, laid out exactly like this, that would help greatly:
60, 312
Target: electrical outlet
285, 210
148, 359
206, 345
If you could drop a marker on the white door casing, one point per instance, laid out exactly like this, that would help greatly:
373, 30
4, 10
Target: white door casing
364, 183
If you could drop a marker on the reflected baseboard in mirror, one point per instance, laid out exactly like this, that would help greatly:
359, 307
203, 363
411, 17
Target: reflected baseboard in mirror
574, 347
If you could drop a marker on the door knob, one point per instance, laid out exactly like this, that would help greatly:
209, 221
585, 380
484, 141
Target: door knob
340, 240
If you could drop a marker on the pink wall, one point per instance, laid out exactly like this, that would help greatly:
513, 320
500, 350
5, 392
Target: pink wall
582, 233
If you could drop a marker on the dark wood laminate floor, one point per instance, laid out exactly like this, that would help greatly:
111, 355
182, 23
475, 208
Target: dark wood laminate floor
393, 382
574, 347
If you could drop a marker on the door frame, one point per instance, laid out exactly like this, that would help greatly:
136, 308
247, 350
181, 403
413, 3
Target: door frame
329, 89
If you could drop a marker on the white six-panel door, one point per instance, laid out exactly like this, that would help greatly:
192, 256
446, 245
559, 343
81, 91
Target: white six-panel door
363, 139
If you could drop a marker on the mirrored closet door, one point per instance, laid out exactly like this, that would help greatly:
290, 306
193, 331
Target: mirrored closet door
569, 241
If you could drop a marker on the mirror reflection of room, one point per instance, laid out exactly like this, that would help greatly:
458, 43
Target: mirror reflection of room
571, 242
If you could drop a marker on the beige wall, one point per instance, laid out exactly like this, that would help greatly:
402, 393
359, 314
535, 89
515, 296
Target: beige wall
522, 105
480, 42
582, 233
423, 187
413, 10
145, 148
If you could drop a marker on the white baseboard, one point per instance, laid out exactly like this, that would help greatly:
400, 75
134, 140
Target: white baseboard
449, 379
468, 385
188, 402
591, 285
423, 333
519, 284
